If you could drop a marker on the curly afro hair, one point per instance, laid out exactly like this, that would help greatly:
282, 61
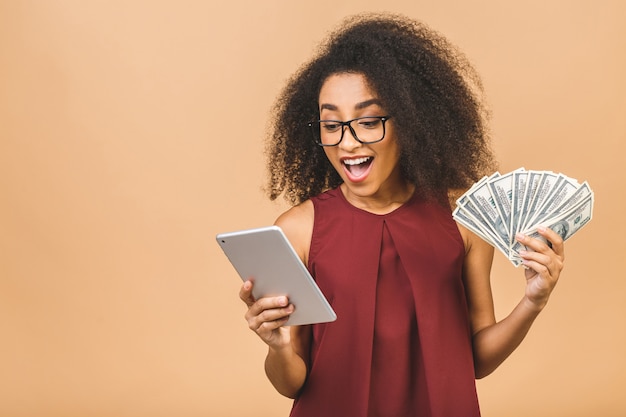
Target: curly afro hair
429, 88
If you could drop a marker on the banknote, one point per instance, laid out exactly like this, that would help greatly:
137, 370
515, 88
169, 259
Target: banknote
565, 225
501, 188
500, 205
520, 186
526, 193
548, 182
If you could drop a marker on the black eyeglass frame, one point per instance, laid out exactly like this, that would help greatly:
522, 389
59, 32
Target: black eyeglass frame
318, 138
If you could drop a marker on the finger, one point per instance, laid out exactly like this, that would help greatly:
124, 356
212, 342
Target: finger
245, 293
276, 313
266, 303
533, 244
547, 265
273, 333
272, 325
535, 257
555, 239
275, 316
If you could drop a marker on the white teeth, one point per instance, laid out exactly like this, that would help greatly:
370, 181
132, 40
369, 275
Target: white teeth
356, 161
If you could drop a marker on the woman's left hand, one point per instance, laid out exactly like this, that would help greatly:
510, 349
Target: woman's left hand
543, 263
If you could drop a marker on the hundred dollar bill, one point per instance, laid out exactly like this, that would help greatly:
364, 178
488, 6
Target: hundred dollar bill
517, 200
484, 201
566, 189
528, 187
566, 225
477, 184
500, 205
547, 183
502, 191
584, 191
462, 215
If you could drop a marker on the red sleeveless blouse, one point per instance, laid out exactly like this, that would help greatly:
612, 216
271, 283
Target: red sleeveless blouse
401, 344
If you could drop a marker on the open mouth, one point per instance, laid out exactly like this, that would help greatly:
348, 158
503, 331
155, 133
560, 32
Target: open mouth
358, 166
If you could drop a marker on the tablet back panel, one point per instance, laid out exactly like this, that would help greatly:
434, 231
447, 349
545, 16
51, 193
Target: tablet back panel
265, 256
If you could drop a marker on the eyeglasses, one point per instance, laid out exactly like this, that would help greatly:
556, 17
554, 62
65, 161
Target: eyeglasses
364, 129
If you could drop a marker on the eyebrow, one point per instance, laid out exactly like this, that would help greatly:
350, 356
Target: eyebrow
358, 106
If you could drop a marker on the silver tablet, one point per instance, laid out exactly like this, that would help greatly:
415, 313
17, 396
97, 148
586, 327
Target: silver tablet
265, 256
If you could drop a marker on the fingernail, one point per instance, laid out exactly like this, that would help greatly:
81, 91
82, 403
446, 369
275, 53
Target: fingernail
541, 229
520, 236
282, 301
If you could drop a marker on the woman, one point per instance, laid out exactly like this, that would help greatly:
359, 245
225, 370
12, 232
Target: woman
370, 138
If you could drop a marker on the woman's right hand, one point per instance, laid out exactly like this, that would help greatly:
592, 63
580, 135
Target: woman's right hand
267, 316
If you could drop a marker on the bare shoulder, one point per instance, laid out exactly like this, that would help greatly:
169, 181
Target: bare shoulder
297, 224
474, 244
476, 277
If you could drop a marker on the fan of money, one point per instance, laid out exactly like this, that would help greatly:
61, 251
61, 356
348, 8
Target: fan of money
501, 205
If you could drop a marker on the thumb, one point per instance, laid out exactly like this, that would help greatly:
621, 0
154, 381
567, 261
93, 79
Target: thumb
245, 293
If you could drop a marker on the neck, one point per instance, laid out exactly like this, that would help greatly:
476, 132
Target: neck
383, 201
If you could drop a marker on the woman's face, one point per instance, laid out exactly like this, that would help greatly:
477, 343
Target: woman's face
368, 170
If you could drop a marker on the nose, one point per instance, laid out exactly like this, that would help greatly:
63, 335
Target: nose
349, 142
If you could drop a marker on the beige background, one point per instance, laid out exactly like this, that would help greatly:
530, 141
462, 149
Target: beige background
130, 134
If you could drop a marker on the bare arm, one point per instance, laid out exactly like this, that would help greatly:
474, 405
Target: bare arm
287, 369
494, 341
286, 363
